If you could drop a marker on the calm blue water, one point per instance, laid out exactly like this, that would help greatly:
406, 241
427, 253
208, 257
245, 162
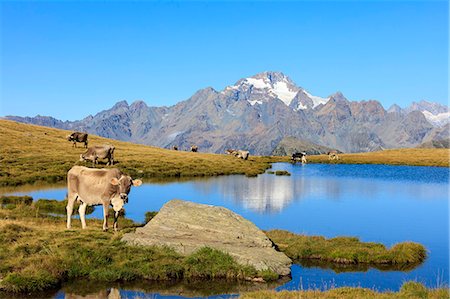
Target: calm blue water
387, 204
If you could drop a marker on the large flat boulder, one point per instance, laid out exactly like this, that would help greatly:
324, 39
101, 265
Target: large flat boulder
187, 227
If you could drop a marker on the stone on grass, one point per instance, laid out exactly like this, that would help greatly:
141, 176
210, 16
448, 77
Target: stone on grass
187, 227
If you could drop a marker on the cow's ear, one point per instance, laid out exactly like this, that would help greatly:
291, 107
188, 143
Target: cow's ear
114, 181
137, 183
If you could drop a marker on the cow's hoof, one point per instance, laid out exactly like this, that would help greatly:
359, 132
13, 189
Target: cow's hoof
105, 230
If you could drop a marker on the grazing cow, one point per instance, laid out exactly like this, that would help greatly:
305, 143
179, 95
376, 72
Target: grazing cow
175, 148
97, 187
194, 148
78, 137
242, 154
299, 157
333, 155
99, 152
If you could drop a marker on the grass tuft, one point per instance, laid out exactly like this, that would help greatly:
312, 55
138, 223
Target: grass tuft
347, 250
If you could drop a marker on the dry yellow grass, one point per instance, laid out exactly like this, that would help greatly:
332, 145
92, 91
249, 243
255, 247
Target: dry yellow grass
407, 156
30, 154
34, 154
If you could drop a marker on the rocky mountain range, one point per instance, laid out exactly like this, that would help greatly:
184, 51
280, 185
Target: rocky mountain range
258, 112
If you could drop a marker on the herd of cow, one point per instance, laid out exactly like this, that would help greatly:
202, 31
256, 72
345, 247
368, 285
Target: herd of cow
109, 186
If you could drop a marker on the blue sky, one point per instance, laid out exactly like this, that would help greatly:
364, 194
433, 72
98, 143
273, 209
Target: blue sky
71, 59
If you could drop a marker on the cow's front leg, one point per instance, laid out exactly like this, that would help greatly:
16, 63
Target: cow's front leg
82, 211
70, 201
105, 217
116, 217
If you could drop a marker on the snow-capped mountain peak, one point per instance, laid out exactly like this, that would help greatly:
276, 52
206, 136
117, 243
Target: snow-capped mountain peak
266, 84
269, 85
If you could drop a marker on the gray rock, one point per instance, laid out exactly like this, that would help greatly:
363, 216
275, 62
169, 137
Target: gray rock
187, 227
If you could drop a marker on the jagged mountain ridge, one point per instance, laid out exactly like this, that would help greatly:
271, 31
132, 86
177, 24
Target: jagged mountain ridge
256, 113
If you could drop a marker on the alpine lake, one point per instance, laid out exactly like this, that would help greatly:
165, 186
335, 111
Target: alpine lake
376, 203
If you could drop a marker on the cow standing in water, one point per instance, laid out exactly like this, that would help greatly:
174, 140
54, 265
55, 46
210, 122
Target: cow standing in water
97, 187
99, 152
78, 137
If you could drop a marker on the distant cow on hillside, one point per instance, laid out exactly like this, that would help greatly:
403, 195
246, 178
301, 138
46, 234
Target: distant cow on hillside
243, 154
194, 148
78, 137
299, 157
333, 155
99, 152
175, 148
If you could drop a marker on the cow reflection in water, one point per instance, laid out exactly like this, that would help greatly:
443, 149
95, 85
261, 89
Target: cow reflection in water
112, 293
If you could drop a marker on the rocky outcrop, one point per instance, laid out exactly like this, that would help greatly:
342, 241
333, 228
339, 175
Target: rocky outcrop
187, 227
289, 145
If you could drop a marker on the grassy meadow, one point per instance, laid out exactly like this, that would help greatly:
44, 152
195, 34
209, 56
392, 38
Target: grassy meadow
34, 154
38, 253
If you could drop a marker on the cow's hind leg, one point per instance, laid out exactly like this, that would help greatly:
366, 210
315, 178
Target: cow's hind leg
105, 217
82, 211
116, 217
70, 201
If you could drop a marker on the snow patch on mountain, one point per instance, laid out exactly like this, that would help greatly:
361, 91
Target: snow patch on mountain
258, 83
283, 92
437, 120
316, 100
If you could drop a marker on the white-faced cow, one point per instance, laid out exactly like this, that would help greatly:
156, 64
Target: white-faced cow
299, 157
99, 152
105, 187
78, 137
194, 148
242, 154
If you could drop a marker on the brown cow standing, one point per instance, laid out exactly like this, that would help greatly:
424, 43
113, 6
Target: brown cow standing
97, 187
94, 153
78, 137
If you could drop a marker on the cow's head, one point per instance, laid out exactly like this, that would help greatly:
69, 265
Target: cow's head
70, 137
82, 158
124, 184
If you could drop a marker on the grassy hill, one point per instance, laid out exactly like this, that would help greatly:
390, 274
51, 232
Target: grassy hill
30, 154
34, 154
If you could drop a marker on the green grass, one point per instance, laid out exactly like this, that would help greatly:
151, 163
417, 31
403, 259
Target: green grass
37, 253
347, 250
409, 289
15, 200
35, 154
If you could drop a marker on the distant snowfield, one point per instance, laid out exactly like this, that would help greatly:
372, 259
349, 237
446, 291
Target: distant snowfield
438, 120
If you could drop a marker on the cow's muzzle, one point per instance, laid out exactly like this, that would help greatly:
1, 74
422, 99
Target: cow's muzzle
124, 197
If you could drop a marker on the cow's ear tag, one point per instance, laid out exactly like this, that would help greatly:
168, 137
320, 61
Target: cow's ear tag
137, 183
114, 181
